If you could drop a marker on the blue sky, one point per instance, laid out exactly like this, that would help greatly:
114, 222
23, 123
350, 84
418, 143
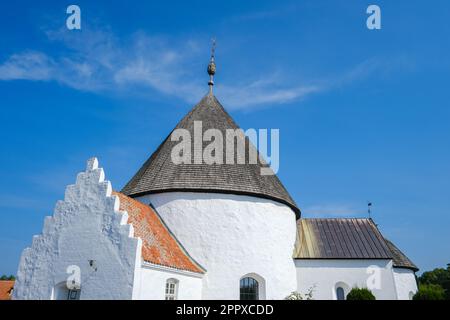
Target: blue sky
363, 115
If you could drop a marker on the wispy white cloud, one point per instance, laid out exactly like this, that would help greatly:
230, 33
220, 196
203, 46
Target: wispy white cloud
165, 69
27, 66
97, 61
264, 92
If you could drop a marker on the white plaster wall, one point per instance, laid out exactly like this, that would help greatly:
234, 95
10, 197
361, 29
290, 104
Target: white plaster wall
87, 225
153, 284
325, 274
405, 282
231, 236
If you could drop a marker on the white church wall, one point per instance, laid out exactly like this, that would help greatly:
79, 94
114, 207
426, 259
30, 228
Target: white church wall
325, 275
87, 225
405, 283
154, 278
231, 236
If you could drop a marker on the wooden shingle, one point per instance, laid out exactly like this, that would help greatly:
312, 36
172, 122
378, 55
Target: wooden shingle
159, 173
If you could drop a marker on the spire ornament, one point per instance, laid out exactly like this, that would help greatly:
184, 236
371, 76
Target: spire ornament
212, 66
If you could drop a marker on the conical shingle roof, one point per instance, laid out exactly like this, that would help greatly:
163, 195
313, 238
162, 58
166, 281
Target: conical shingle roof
159, 173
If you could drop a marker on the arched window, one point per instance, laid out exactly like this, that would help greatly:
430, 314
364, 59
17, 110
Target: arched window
340, 293
171, 289
249, 289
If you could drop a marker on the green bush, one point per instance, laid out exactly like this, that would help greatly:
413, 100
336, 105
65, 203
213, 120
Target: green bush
430, 292
360, 294
439, 276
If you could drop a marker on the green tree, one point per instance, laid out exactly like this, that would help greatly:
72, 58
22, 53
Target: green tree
438, 276
360, 294
430, 292
5, 277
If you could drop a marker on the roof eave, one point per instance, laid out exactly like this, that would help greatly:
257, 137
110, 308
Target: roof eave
294, 208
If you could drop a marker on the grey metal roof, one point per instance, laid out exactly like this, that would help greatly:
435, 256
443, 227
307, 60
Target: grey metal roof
400, 260
340, 239
160, 174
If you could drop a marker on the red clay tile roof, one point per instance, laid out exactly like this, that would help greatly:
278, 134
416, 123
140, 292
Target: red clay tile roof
159, 246
6, 287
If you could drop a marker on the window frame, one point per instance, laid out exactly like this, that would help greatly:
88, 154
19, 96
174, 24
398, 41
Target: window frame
73, 294
250, 284
171, 289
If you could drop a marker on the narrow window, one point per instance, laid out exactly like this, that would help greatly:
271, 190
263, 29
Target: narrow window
340, 294
249, 289
171, 289
73, 294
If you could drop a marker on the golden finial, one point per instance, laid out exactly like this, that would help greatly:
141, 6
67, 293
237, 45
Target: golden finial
212, 66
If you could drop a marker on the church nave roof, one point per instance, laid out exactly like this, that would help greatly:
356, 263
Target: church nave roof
159, 245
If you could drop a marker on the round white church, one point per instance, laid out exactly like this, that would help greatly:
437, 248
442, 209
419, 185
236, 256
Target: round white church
202, 231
